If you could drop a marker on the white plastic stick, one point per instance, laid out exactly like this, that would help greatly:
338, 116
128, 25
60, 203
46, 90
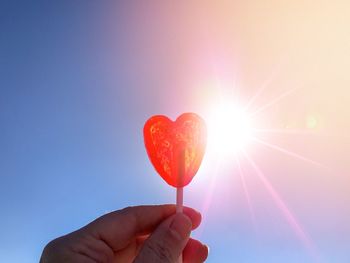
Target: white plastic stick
179, 199
180, 190
179, 208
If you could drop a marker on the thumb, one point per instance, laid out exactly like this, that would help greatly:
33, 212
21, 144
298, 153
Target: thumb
167, 241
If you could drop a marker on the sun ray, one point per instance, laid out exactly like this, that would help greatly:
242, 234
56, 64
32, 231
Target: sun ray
286, 131
291, 219
247, 195
264, 85
288, 152
256, 95
210, 192
274, 101
209, 196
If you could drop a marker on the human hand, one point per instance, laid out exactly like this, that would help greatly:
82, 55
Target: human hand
138, 234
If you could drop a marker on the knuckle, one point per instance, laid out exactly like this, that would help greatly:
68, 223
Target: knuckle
50, 251
161, 251
51, 246
126, 209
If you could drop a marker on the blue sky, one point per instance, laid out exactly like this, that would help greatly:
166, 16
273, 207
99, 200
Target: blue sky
78, 79
71, 123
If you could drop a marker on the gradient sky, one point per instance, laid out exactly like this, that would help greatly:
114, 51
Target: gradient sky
78, 79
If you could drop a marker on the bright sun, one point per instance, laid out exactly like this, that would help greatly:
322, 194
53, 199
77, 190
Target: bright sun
230, 128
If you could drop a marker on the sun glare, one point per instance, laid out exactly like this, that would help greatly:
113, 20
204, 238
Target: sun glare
230, 128
233, 127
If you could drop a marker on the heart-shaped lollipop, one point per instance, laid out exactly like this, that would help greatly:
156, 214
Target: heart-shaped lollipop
176, 149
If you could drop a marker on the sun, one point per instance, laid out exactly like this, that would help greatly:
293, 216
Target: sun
234, 133
230, 128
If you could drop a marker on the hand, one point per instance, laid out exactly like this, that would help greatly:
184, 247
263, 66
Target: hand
141, 234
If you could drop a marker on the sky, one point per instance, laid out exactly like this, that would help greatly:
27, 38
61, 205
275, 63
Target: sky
78, 80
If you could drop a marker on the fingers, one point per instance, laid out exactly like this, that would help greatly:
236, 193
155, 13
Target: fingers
118, 228
194, 215
167, 241
195, 252
129, 253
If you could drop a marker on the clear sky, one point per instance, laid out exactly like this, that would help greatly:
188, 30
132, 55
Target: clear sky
78, 79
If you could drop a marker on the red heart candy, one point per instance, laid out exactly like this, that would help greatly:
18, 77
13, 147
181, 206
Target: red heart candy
172, 146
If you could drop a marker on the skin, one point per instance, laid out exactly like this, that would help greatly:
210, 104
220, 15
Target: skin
134, 234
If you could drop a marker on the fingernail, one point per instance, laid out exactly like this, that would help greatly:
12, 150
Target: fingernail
207, 247
199, 214
207, 252
182, 225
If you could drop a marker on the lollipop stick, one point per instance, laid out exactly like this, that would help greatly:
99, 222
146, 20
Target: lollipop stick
179, 208
179, 199
180, 190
